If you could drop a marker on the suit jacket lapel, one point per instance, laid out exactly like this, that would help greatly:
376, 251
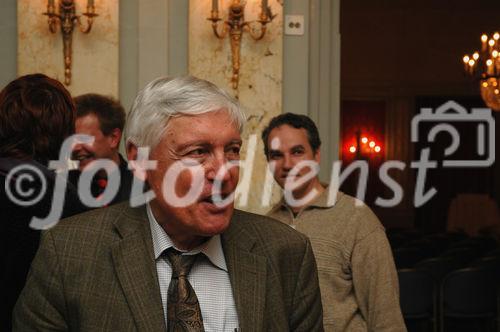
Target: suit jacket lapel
136, 270
247, 273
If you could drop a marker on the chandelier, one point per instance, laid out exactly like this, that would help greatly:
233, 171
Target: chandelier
485, 66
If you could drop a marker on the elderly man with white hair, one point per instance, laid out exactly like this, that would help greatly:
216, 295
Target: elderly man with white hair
185, 260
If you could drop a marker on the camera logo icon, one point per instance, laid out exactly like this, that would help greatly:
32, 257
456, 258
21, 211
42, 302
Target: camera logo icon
449, 113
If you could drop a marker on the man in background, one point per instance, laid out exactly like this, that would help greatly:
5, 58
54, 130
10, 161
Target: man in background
103, 118
358, 280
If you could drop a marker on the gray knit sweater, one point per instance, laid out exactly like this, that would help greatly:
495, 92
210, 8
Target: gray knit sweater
358, 279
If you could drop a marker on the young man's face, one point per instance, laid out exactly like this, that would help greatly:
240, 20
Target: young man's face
104, 146
287, 147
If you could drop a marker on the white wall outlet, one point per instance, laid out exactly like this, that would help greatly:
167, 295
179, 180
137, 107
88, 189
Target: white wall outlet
294, 25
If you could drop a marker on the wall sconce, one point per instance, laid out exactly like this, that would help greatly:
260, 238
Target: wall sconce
364, 146
67, 19
235, 25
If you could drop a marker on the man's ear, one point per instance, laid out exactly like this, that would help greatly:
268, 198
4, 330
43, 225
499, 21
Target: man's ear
114, 138
317, 156
137, 163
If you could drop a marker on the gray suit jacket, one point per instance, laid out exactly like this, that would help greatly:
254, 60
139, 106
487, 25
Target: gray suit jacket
96, 272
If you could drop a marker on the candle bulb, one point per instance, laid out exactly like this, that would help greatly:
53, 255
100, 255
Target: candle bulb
466, 63
484, 39
489, 64
266, 14
491, 44
471, 66
50, 6
90, 6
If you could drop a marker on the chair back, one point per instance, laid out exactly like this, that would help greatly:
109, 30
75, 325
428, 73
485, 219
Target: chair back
407, 257
469, 292
438, 267
416, 293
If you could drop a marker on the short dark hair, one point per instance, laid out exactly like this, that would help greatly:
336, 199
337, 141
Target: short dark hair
297, 121
37, 114
108, 110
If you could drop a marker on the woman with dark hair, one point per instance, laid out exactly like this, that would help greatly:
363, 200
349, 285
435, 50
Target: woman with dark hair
36, 115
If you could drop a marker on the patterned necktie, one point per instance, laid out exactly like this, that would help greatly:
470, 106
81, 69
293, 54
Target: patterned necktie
183, 308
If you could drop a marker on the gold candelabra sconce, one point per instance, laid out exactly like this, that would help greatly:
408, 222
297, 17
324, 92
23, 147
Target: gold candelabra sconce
68, 19
235, 25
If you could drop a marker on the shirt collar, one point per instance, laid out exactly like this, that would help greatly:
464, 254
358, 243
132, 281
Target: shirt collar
212, 248
123, 166
320, 201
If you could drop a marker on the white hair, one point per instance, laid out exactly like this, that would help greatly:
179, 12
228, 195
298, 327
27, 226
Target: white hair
168, 97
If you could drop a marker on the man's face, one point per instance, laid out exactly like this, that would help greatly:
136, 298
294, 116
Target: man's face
103, 147
287, 147
210, 140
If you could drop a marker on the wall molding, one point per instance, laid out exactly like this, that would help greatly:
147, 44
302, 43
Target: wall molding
324, 78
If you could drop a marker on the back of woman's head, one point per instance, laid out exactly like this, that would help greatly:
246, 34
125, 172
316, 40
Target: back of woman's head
36, 115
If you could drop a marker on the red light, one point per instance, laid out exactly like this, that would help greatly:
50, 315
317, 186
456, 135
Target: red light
377, 149
364, 140
352, 149
372, 144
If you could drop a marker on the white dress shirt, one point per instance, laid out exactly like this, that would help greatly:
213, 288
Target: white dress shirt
209, 278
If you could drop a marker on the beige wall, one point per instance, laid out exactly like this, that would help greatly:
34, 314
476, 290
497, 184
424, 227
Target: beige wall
8, 41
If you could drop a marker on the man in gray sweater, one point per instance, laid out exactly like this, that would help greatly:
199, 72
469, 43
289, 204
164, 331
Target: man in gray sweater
358, 279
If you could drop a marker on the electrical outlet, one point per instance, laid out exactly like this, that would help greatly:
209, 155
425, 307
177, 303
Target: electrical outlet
294, 25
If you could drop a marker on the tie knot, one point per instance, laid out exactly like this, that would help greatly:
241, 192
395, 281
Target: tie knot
181, 264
